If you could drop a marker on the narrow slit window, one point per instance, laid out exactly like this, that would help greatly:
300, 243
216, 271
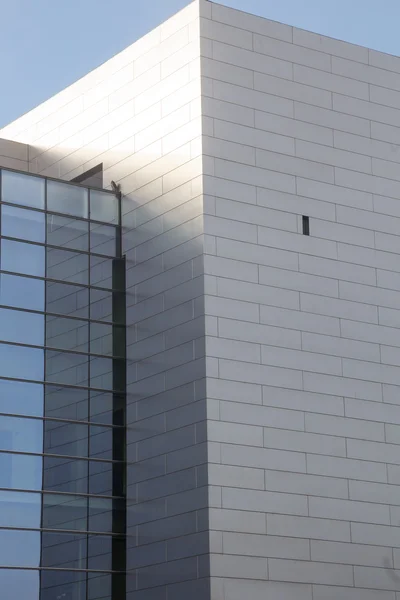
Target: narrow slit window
306, 225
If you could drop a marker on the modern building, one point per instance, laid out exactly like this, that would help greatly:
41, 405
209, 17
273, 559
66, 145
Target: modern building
200, 362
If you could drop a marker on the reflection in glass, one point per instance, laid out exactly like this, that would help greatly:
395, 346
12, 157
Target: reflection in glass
101, 270
20, 509
68, 199
100, 305
20, 471
18, 434
21, 292
21, 327
65, 475
64, 299
67, 334
103, 207
99, 586
100, 478
21, 362
20, 398
26, 190
63, 585
67, 232
65, 511
19, 549
59, 473
20, 584
101, 339
66, 265
67, 368
101, 512
66, 403
101, 407
64, 550
101, 372
68, 439
101, 442
22, 258
22, 223
102, 239
100, 553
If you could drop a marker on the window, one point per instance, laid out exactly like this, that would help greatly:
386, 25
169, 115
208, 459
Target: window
21, 292
18, 257
306, 225
25, 190
22, 223
21, 327
68, 199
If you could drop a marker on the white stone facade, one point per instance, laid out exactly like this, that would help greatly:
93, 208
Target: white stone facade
264, 365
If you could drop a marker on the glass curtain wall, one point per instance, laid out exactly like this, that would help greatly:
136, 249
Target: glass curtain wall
62, 391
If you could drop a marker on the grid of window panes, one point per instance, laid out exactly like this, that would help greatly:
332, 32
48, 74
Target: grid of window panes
61, 391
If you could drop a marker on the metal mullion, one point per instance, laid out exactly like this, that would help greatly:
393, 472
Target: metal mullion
59, 569
57, 420
1, 210
49, 530
66, 385
118, 582
44, 387
56, 493
89, 394
107, 461
52, 280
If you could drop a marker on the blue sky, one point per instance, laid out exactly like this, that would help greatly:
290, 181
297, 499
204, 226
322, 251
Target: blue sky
46, 45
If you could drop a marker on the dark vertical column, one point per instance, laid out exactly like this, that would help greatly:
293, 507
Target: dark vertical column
119, 420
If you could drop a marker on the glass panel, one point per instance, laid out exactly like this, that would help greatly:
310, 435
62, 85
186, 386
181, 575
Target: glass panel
21, 327
67, 232
22, 258
64, 550
64, 299
67, 334
63, 367
103, 207
63, 585
78, 476
66, 265
99, 586
101, 407
100, 305
101, 270
102, 239
21, 362
66, 403
65, 475
19, 584
21, 435
101, 514
21, 292
21, 223
101, 373
22, 189
64, 511
20, 509
19, 549
100, 552
68, 199
69, 439
101, 442
101, 339
20, 471
101, 478
20, 398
